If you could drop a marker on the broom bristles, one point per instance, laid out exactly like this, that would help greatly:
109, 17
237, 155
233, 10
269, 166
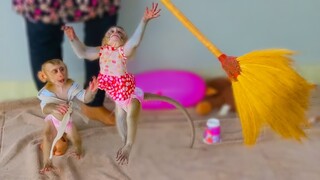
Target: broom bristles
270, 92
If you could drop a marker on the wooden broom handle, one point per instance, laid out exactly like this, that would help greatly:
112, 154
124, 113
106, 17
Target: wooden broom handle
178, 14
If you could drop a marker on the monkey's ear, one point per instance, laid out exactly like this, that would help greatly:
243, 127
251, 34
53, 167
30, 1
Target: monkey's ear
42, 76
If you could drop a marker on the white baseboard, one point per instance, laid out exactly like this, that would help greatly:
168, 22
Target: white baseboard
17, 90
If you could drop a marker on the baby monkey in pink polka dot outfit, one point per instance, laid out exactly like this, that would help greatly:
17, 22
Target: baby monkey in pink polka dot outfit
114, 79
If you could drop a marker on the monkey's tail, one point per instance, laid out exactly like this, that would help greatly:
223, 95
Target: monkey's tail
150, 96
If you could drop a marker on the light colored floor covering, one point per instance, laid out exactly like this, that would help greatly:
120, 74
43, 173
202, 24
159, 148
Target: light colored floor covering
160, 151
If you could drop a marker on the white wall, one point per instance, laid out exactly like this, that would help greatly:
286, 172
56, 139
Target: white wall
235, 26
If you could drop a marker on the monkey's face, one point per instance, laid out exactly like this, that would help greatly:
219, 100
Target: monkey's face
115, 36
56, 74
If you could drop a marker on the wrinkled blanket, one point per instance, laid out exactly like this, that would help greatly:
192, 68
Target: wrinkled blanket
160, 151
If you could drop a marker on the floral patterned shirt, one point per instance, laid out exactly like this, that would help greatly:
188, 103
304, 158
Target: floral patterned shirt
63, 11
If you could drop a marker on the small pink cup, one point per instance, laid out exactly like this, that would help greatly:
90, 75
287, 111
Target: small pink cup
211, 134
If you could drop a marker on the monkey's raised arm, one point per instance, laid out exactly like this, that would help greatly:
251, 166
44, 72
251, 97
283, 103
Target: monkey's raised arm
89, 96
81, 50
136, 38
91, 91
85, 95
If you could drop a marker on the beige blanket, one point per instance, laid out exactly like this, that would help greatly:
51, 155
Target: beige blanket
160, 151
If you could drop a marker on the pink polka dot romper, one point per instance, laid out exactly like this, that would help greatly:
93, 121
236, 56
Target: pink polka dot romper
114, 78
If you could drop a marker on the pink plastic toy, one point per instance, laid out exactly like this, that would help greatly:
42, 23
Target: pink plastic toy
183, 86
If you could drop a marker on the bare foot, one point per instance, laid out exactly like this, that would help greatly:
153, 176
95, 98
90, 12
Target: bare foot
123, 155
76, 153
48, 167
99, 113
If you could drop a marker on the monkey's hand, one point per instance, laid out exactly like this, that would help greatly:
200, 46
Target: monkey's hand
61, 109
69, 31
154, 12
58, 110
91, 90
94, 84
123, 155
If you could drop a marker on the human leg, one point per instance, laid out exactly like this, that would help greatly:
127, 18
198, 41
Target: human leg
44, 42
99, 113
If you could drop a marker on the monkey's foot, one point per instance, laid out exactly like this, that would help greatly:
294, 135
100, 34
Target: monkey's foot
76, 153
48, 167
123, 155
99, 113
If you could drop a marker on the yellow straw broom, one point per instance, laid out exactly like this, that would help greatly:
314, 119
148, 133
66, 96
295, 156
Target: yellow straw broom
266, 88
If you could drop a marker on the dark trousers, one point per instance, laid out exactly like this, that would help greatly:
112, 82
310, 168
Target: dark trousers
45, 42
